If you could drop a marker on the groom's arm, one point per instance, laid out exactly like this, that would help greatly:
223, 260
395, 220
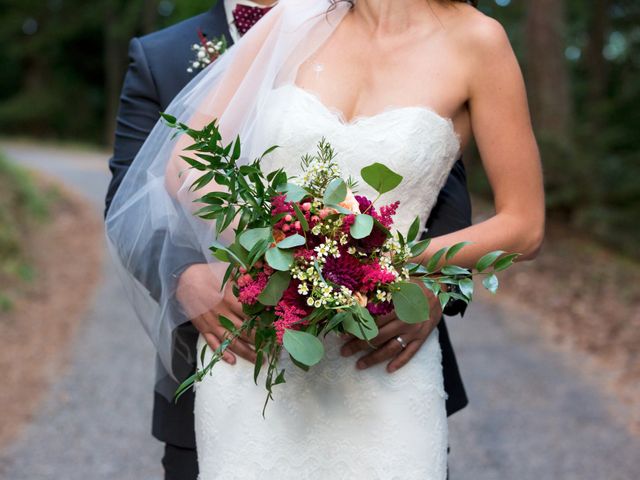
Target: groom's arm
451, 212
138, 113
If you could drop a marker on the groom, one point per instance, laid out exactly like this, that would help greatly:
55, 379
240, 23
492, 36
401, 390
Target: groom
158, 70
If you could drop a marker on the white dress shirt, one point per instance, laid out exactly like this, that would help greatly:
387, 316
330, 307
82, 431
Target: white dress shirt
229, 5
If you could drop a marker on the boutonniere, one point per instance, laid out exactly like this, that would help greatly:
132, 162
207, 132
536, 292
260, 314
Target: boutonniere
206, 51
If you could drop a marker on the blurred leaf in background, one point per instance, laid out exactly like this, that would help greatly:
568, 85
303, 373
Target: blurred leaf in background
22, 207
582, 68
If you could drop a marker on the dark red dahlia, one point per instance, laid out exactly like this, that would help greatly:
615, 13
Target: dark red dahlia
345, 270
379, 308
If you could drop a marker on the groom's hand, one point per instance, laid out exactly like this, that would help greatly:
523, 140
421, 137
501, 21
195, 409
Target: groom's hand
199, 294
388, 348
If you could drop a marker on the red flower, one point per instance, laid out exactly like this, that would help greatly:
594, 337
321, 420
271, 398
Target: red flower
375, 275
251, 288
345, 270
291, 309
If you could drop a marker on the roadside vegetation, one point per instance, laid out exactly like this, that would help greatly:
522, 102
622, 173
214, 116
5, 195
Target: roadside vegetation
24, 207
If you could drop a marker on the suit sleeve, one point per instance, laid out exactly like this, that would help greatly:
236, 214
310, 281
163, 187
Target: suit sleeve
451, 212
138, 113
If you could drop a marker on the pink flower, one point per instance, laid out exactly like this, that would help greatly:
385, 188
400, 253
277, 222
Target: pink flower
375, 275
386, 212
291, 309
251, 288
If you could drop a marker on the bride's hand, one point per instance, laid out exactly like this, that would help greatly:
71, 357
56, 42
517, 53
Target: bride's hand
387, 343
199, 295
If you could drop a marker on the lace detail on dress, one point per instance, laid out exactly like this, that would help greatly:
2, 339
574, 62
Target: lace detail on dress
337, 422
415, 142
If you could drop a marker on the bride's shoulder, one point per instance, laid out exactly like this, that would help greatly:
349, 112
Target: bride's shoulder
476, 32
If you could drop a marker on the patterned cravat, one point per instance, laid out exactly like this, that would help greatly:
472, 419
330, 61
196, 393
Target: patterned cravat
245, 16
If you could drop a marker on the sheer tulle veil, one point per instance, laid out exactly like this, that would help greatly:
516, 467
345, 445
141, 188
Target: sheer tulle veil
151, 217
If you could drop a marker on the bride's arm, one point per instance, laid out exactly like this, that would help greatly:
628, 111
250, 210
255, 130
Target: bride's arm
501, 124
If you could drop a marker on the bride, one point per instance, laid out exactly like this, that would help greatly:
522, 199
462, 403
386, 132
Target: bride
405, 83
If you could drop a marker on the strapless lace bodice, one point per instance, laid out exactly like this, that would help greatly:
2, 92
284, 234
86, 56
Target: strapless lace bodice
337, 422
415, 142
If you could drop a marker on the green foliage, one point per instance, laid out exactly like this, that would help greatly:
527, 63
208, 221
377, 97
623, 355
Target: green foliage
591, 175
22, 207
304, 347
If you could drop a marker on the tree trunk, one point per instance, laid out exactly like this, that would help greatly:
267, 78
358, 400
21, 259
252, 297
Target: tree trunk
546, 71
149, 15
112, 68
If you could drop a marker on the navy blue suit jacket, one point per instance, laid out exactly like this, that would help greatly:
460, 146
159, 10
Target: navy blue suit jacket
157, 72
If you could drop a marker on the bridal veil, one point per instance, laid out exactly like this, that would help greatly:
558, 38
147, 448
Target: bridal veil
151, 217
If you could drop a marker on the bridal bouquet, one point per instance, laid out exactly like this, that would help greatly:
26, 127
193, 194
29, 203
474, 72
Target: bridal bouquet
312, 257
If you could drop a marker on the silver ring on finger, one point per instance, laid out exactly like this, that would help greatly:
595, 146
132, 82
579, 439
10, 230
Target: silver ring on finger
401, 341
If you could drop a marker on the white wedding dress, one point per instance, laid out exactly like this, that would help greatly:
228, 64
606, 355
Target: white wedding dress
337, 422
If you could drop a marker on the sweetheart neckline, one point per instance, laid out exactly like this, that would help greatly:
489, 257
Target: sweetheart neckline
339, 116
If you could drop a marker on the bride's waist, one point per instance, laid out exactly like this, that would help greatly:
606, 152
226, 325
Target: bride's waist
428, 356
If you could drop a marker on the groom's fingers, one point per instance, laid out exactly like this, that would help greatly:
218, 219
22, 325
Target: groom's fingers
214, 343
387, 331
403, 357
243, 349
385, 352
238, 321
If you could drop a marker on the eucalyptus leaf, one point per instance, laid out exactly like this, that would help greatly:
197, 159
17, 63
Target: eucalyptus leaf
380, 177
294, 192
252, 236
279, 259
362, 226
336, 320
304, 347
335, 192
276, 285
292, 241
364, 327
410, 303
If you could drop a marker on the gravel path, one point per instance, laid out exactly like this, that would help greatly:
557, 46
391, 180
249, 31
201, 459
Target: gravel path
533, 416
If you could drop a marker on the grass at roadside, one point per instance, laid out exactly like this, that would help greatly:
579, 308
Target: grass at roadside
23, 208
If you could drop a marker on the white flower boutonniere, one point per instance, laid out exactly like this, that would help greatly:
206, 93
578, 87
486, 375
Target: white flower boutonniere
206, 51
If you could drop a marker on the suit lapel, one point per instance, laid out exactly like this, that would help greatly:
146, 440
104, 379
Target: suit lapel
215, 22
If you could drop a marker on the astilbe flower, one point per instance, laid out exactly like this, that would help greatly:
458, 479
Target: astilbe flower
385, 216
250, 288
374, 275
345, 270
291, 309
